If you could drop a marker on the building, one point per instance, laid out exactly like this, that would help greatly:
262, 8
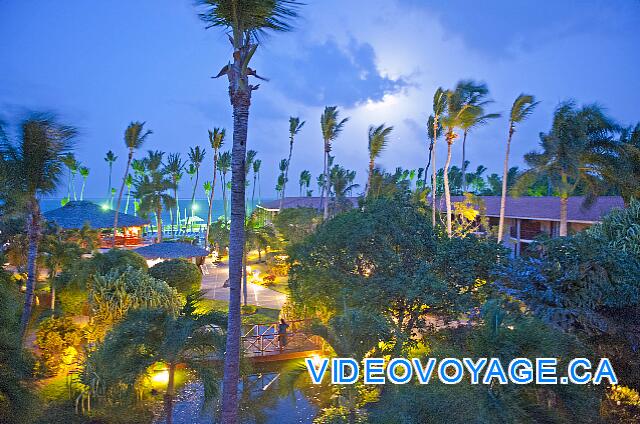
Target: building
525, 217
76, 214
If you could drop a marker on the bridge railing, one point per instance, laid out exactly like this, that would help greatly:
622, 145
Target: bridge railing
265, 339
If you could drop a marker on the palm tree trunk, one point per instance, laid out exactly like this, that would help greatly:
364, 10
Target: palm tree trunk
564, 200
52, 290
244, 277
253, 191
503, 197
240, 100
213, 188
433, 176
124, 179
224, 196
84, 182
33, 231
126, 206
159, 224
447, 194
368, 187
286, 172
168, 398
463, 168
109, 193
325, 186
193, 199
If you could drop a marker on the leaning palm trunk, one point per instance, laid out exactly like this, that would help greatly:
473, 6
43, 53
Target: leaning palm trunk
33, 231
463, 168
368, 187
124, 179
325, 186
447, 194
240, 96
286, 173
503, 197
563, 215
213, 187
434, 173
159, 224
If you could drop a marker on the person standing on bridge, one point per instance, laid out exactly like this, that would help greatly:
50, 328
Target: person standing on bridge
282, 333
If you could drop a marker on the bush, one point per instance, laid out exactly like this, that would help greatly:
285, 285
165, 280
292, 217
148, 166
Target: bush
184, 276
118, 259
58, 339
248, 309
269, 279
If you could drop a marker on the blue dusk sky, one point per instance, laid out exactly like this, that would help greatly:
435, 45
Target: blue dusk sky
101, 65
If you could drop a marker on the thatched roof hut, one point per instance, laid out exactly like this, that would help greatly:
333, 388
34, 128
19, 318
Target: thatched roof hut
75, 214
171, 250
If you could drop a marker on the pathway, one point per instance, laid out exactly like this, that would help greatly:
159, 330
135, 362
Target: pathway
256, 294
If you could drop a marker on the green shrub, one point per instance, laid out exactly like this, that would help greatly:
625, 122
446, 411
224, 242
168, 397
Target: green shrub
58, 339
184, 276
248, 309
72, 300
120, 259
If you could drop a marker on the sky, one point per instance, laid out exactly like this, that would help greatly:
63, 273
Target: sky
101, 65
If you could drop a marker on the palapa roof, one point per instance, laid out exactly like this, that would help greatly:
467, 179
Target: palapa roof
171, 250
75, 214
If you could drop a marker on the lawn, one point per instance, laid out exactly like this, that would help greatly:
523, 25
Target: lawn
261, 316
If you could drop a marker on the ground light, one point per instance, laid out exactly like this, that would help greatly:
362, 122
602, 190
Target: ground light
160, 377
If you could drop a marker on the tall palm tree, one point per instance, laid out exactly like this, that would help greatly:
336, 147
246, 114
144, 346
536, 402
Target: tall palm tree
174, 168
521, 109
248, 166
129, 184
244, 22
216, 140
439, 107
196, 156
59, 254
474, 94
457, 115
134, 137
378, 140
139, 168
224, 165
256, 173
305, 180
566, 151
110, 158
152, 190
30, 168
294, 128
84, 173
331, 128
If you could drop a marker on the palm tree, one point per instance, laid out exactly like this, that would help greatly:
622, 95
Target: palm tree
256, 173
378, 139
110, 158
216, 139
149, 336
224, 165
72, 166
84, 173
60, 254
439, 106
196, 156
248, 166
244, 22
305, 180
282, 167
134, 137
331, 128
174, 168
206, 186
30, 169
458, 114
294, 128
522, 107
129, 184
474, 94
139, 168
566, 151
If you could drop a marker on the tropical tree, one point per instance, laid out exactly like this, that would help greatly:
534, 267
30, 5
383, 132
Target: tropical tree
134, 137
32, 168
58, 254
294, 128
566, 151
256, 180
110, 158
244, 22
282, 167
331, 127
72, 167
84, 173
248, 166
150, 336
305, 180
152, 190
473, 94
458, 115
174, 168
224, 165
378, 140
216, 140
139, 167
522, 107
439, 107
196, 156
129, 183
206, 186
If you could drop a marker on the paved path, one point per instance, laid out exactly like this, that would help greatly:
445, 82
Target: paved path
256, 294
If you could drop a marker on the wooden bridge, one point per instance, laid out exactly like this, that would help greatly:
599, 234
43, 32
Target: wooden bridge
263, 342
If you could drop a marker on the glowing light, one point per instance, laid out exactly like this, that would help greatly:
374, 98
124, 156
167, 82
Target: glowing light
161, 377
316, 360
105, 206
194, 207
